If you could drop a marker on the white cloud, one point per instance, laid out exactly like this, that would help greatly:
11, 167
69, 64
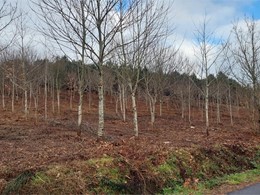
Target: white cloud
187, 15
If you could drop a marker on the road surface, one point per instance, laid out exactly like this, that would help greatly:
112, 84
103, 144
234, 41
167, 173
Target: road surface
250, 190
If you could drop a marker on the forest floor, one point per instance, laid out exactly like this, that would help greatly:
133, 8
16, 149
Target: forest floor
27, 144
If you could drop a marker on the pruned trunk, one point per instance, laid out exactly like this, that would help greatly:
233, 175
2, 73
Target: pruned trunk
122, 100
58, 100
230, 107
160, 102
80, 110
135, 119
152, 103
53, 97
30, 96
218, 111
101, 105
80, 105
36, 106
218, 106
3, 92
189, 103
207, 109
13, 91
26, 103
45, 99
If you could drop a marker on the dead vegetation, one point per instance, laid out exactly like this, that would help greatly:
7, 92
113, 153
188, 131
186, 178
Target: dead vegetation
49, 157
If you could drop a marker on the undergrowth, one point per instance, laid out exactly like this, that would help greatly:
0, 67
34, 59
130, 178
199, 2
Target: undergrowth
184, 170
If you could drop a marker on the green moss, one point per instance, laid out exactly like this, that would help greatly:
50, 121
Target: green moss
108, 177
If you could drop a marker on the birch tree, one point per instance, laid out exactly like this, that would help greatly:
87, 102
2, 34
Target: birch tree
8, 14
208, 53
245, 57
146, 27
160, 65
66, 23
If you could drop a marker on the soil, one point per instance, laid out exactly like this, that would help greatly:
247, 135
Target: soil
33, 144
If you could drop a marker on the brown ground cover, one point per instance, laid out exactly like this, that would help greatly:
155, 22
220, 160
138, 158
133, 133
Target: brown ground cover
28, 145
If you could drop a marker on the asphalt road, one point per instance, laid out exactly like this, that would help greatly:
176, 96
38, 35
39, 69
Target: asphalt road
250, 190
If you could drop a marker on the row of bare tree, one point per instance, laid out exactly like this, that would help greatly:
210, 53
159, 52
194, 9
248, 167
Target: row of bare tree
121, 47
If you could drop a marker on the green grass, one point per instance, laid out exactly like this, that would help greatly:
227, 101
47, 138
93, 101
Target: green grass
232, 179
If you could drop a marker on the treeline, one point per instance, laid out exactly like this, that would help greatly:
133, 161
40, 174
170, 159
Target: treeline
52, 76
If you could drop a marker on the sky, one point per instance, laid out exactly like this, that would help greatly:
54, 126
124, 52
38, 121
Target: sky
186, 15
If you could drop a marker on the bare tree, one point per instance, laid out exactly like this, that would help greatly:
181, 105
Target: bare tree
155, 77
90, 28
23, 45
8, 13
208, 54
7, 17
146, 27
66, 23
245, 57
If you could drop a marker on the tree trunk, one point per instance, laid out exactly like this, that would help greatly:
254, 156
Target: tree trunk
80, 109
182, 105
13, 91
160, 104
207, 109
53, 96
81, 93
218, 106
135, 119
189, 103
45, 93
36, 106
101, 105
122, 101
26, 103
58, 100
3, 92
152, 102
230, 107
30, 96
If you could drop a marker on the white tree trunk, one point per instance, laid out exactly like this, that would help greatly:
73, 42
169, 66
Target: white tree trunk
152, 102
80, 107
53, 96
135, 119
230, 107
26, 103
45, 94
189, 103
3, 92
36, 106
122, 101
182, 106
207, 109
101, 105
13, 91
160, 107
218, 106
58, 100
30, 96
218, 110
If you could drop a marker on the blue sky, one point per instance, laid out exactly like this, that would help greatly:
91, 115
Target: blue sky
186, 15
252, 9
